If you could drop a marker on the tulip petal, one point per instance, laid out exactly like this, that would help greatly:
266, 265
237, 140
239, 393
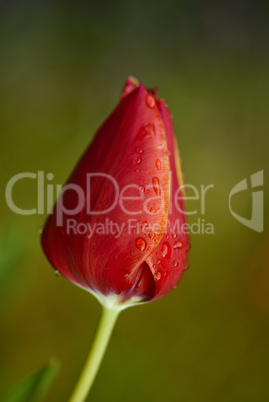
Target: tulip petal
131, 84
169, 260
130, 149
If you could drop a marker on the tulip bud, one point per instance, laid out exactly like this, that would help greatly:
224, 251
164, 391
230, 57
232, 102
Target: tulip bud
116, 229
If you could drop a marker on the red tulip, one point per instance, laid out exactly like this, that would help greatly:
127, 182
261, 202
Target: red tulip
116, 229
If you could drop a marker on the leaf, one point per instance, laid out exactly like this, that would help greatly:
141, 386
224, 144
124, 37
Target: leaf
34, 387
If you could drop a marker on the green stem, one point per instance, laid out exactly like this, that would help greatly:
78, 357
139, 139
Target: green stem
108, 320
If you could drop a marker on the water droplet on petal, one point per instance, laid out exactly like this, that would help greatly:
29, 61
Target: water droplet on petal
141, 244
136, 170
142, 189
158, 164
139, 150
149, 248
137, 161
167, 236
57, 273
133, 230
144, 225
156, 185
150, 101
159, 261
151, 235
174, 235
146, 131
178, 244
158, 275
153, 210
174, 263
166, 250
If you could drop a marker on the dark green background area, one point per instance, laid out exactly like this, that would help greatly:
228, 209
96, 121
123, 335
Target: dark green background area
62, 66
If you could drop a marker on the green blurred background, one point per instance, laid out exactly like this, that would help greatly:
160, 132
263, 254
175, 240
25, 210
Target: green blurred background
63, 65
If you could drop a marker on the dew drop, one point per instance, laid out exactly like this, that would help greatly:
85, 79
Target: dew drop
167, 236
137, 161
154, 266
166, 250
147, 191
142, 189
141, 244
57, 273
151, 235
153, 210
144, 225
159, 262
136, 170
174, 235
133, 230
149, 248
174, 263
156, 185
158, 275
150, 101
146, 131
139, 150
158, 164
178, 244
